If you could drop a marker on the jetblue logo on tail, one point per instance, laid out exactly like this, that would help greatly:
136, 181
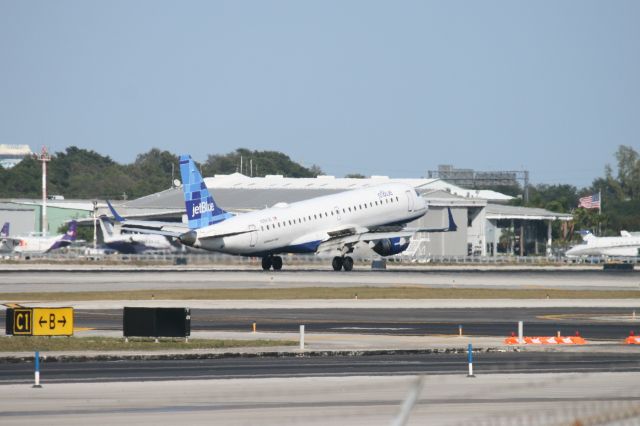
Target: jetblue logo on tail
203, 207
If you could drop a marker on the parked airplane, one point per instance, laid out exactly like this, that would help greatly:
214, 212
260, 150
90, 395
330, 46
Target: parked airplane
131, 243
332, 223
626, 245
37, 244
6, 244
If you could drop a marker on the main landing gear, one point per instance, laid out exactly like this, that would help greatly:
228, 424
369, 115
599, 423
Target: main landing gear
272, 261
340, 262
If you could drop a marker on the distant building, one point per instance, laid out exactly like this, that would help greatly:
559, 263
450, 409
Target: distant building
10, 155
470, 178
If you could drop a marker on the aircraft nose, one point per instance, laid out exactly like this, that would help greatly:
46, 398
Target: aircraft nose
188, 238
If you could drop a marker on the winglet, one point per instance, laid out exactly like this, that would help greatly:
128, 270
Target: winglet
5, 230
115, 213
452, 224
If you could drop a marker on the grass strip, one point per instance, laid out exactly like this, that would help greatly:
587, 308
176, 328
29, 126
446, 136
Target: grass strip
407, 292
39, 343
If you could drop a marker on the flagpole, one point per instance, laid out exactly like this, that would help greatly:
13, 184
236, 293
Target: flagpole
600, 204
599, 213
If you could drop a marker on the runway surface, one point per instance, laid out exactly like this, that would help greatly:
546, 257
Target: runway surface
57, 281
316, 366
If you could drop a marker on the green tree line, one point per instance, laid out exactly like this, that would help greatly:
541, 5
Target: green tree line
619, 189
81, 173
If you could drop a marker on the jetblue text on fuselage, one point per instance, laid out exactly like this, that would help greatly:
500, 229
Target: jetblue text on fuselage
203, 207
383, 194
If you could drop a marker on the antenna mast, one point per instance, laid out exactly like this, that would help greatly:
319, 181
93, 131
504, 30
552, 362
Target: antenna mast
44, 158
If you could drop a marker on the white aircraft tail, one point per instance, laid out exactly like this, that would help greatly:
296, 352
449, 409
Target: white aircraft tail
107, 228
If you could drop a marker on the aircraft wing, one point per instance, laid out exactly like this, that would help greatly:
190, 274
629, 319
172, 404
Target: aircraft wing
345, 239
12, 240
338, 243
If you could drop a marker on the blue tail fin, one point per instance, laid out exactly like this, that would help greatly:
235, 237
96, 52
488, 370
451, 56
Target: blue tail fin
115, 214
201, 208
5, 230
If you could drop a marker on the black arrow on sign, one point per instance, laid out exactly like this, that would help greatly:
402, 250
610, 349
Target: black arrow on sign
42, 322
63, 321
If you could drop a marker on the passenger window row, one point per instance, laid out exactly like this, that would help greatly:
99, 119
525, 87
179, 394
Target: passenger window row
317, 216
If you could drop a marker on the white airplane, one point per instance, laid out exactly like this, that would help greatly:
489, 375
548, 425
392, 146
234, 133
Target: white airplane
626, 245
332, 223
6, 244
43, 244
131, 243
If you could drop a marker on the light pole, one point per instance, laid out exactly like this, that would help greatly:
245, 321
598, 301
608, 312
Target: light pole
95, 231
44, 157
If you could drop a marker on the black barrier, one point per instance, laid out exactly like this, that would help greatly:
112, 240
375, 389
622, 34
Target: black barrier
156, 322
8, 322
619, 267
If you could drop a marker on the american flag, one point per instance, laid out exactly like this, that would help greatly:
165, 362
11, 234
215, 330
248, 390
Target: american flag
590, 202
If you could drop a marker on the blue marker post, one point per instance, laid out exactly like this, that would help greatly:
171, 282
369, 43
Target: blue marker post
37, 370
470, 355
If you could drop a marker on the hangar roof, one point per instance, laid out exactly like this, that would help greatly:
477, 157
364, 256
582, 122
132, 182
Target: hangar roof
240, 181
331, 183
14, 206
238, 192
441, 198
495, 212
484, 194
61, 204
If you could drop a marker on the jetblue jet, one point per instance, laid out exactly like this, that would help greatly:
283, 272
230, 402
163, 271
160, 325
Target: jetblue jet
333, 223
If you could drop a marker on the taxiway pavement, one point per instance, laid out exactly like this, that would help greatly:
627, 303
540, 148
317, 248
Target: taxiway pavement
86, 279
532, 399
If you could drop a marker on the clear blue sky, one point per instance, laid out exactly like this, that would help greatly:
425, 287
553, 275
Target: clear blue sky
394, 87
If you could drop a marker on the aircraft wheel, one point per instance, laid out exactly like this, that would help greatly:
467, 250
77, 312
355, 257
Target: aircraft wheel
277, 263
336, 263
266, 263
347, 263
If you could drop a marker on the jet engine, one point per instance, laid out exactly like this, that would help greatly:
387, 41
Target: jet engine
390, 246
